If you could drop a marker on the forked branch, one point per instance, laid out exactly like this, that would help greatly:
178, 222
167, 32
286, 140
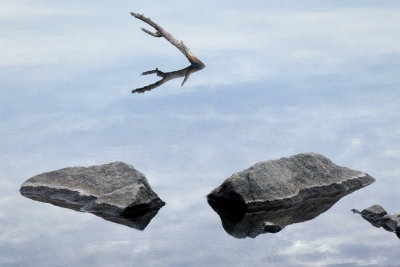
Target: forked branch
160, 32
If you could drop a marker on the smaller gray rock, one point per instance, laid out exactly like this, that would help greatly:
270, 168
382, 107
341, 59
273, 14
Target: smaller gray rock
114, 191
375, 210
378, 217
374, 214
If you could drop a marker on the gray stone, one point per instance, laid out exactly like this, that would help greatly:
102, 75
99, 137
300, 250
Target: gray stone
378, 217
283, 182
375, 210
391, 223
115, 191
374, 213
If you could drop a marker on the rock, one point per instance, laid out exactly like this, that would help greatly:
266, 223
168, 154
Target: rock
375, 210
276, 184
374, 214
115, 191
378, 217
391, 223
241, 224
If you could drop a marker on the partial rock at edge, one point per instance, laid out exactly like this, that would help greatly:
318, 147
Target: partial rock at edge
378, 217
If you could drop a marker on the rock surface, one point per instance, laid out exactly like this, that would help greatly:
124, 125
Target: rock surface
378, 217
280, 183
242, 224
114, 191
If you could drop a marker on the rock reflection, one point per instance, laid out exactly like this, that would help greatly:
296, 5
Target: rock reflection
167, 76
241, 224
137, 219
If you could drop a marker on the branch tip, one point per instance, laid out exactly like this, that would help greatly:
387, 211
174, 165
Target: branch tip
160, 32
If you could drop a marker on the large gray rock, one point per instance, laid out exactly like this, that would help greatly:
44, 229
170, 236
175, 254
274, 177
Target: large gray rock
114, 191
280, 183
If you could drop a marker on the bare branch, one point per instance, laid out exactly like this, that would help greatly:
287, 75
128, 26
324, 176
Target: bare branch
160, 32
159, 73
187, 74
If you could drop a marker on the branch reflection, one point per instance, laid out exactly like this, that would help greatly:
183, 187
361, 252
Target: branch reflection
167, 76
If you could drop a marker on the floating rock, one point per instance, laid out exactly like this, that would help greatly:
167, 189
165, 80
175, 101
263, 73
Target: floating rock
378, 217
277, 184
241, 224
116, 192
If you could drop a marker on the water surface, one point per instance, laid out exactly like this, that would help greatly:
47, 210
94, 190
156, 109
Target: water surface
281, 79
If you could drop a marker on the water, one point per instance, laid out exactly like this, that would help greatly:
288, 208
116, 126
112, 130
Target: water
281, 79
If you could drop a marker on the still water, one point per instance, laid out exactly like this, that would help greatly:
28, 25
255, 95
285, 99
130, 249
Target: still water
281, 79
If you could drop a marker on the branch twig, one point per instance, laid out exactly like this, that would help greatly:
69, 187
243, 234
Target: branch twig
160, 32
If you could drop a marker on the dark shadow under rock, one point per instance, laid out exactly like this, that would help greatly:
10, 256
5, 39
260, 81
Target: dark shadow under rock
240, 223
115, 191
378, 217
137, 219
